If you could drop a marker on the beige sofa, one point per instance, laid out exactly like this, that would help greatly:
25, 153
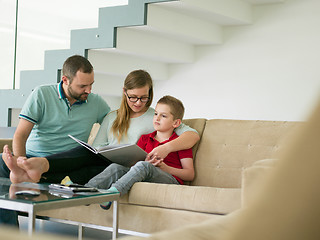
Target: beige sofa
226, 149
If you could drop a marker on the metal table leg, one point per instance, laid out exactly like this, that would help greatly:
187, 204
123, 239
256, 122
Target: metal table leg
80, 231
31, 221
115, 220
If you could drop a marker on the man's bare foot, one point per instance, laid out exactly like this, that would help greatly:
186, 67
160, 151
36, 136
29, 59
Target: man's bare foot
17, 174
34, 166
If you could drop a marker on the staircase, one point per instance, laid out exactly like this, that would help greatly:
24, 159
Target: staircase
145, 34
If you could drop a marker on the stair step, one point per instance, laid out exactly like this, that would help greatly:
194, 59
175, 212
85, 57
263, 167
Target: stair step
226, 12
54, 59
92, 38
153, 45
113, 62
181, 26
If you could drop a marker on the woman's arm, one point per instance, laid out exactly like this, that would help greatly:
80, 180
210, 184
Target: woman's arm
184, 141
101, 138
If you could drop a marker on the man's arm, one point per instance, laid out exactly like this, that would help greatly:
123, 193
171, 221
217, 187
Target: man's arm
20, 137
184, 141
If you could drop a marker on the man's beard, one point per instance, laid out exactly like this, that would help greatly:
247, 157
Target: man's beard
74, 95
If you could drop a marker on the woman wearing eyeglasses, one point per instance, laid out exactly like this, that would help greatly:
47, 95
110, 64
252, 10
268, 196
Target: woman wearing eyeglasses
125, 125
134, 118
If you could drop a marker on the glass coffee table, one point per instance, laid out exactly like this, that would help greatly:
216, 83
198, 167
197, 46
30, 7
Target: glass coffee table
46, 199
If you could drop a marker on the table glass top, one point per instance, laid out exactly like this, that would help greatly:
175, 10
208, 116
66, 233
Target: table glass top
8, 192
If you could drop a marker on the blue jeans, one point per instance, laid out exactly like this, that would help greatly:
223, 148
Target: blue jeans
122, 178
8, 217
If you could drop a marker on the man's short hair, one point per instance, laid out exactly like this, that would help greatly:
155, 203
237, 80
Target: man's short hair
75, 63
176, 106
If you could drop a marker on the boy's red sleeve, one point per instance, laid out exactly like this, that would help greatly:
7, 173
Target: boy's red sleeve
142, 142
187, 153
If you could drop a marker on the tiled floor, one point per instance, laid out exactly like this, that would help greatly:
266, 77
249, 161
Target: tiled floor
65, 229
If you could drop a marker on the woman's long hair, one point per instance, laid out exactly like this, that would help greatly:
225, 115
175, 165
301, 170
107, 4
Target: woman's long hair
135, 79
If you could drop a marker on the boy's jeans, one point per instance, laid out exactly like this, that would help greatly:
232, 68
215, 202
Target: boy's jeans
122, 178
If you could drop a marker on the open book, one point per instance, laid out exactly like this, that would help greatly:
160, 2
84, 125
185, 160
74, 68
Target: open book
124, 154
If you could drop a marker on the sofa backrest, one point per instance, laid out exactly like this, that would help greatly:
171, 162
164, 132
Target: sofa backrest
197, 124
227, 147
5, 142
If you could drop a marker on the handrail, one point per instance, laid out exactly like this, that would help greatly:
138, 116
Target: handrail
15, 45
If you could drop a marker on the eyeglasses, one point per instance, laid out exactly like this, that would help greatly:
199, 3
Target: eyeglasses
135, 99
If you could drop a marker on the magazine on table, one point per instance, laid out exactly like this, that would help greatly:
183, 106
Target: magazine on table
124, 154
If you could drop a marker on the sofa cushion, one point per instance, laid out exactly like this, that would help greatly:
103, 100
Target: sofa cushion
192, 198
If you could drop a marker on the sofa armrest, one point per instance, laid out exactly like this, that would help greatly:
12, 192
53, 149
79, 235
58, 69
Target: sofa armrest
4, 142
251, 178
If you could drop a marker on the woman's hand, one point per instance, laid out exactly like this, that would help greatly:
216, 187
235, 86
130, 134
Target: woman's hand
159, 152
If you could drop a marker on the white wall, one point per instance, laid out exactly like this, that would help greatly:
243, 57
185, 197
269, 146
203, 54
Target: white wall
268, 70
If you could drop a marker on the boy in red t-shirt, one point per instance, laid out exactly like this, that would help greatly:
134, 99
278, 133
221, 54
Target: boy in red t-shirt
173, 169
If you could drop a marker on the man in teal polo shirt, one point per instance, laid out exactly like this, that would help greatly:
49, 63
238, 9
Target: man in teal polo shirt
52, 112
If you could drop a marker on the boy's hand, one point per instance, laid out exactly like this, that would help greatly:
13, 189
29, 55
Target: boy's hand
158, 163
154, 161
159, 152
162, 165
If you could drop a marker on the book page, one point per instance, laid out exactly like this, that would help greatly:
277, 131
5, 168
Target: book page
110, 147
86, 145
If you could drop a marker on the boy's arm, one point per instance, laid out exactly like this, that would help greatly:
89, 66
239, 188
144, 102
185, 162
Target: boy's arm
184, 141
186, 173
